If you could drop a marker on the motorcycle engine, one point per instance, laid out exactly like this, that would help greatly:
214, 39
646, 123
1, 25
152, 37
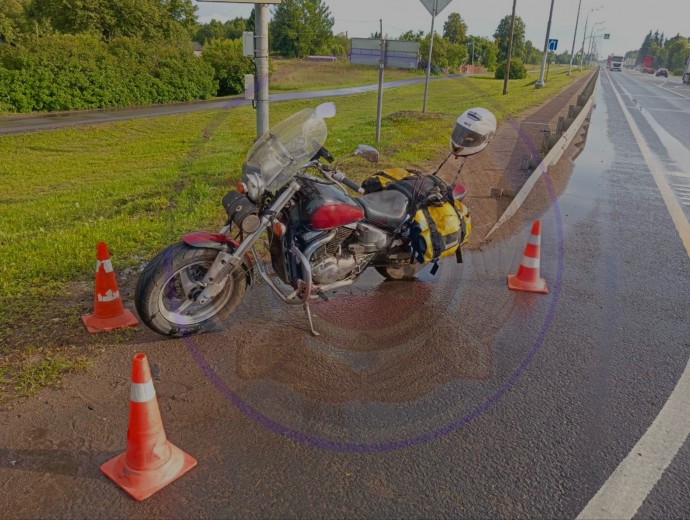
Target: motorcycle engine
332, 263
336, 262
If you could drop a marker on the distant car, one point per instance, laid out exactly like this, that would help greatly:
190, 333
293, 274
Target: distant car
662, 72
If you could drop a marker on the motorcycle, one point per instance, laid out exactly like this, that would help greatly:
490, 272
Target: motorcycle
320, 238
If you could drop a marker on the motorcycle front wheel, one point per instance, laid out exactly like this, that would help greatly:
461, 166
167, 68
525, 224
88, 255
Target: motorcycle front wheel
166, 293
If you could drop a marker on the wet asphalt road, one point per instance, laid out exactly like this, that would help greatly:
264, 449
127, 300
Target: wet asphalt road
446, 398
19, 124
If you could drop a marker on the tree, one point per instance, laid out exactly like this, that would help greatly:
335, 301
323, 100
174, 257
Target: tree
485, 52
231, 29
517, 70
644, 48
531, 54
455, 29
229, 64
446, 55
411, 36
12, 21
677, 50
147, 19
301, 27
489, 57
502, 37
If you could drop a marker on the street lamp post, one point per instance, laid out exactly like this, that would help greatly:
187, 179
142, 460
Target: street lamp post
584, 35
572, 50
540, 82
591, 40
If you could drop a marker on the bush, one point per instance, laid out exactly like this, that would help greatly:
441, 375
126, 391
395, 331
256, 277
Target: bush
65, 72
228, 63
517, 69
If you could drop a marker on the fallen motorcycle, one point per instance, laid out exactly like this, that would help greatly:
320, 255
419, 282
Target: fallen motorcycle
320, 238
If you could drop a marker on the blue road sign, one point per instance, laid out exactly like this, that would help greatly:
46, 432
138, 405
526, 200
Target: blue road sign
553, 45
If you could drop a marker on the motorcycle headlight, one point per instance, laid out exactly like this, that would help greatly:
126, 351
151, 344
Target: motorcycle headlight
251, 176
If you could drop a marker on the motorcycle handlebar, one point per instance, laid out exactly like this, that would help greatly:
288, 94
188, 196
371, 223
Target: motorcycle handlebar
340, 177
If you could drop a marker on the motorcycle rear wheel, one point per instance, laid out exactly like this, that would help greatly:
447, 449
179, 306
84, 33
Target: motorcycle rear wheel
399, 272
166, 291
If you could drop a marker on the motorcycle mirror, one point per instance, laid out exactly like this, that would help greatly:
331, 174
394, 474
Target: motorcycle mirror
326, 110
370, 153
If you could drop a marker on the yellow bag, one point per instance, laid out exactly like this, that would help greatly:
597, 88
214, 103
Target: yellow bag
380, 180
435, 232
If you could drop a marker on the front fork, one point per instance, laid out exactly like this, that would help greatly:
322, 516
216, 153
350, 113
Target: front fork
226, 262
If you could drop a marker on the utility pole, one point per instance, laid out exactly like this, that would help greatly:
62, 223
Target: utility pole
506, 74
540, 82
261, 57
572, 50
431, 48
584, 35
381, 73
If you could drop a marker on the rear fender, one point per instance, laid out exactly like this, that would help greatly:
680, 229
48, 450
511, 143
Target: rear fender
220, 242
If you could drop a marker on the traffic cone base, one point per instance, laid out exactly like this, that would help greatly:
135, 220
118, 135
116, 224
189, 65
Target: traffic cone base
538, 286
94, 324
140, 485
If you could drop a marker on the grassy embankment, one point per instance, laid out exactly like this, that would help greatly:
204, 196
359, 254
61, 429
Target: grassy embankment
140, 184
291, 75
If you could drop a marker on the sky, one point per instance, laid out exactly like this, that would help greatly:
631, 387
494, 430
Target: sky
626, 21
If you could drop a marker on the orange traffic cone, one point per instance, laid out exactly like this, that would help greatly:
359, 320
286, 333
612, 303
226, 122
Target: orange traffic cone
108, 313
150, 461
527, 277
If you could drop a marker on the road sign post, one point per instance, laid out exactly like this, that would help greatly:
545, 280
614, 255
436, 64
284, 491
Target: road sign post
434, 7
540, 82
392, 53
260, 58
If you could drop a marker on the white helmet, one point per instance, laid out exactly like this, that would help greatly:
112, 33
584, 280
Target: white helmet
473, 131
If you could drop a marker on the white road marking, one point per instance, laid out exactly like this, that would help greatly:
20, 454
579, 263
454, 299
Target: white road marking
679, 174
673, 92
630, 484
637, 96
667, 110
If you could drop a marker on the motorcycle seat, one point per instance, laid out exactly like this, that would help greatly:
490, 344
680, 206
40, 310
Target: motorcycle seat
386, 208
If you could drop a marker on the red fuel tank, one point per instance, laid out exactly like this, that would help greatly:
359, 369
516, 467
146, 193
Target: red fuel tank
335, 214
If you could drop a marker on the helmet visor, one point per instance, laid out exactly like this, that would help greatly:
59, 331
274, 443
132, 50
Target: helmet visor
463, 137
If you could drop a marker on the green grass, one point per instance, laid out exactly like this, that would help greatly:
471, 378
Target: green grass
24, 374
289, 75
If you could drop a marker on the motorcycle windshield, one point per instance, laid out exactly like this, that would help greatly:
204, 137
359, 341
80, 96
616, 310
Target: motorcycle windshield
287, 148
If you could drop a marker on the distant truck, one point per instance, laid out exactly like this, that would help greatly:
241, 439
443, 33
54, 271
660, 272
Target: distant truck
614, 63
648, 64
686, 75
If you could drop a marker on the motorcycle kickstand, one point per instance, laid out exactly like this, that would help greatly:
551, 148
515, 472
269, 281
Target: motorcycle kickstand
311, 321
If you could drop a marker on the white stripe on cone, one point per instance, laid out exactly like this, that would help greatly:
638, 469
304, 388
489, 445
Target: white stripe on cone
107, 265
142, 392
532, 263
109, 296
